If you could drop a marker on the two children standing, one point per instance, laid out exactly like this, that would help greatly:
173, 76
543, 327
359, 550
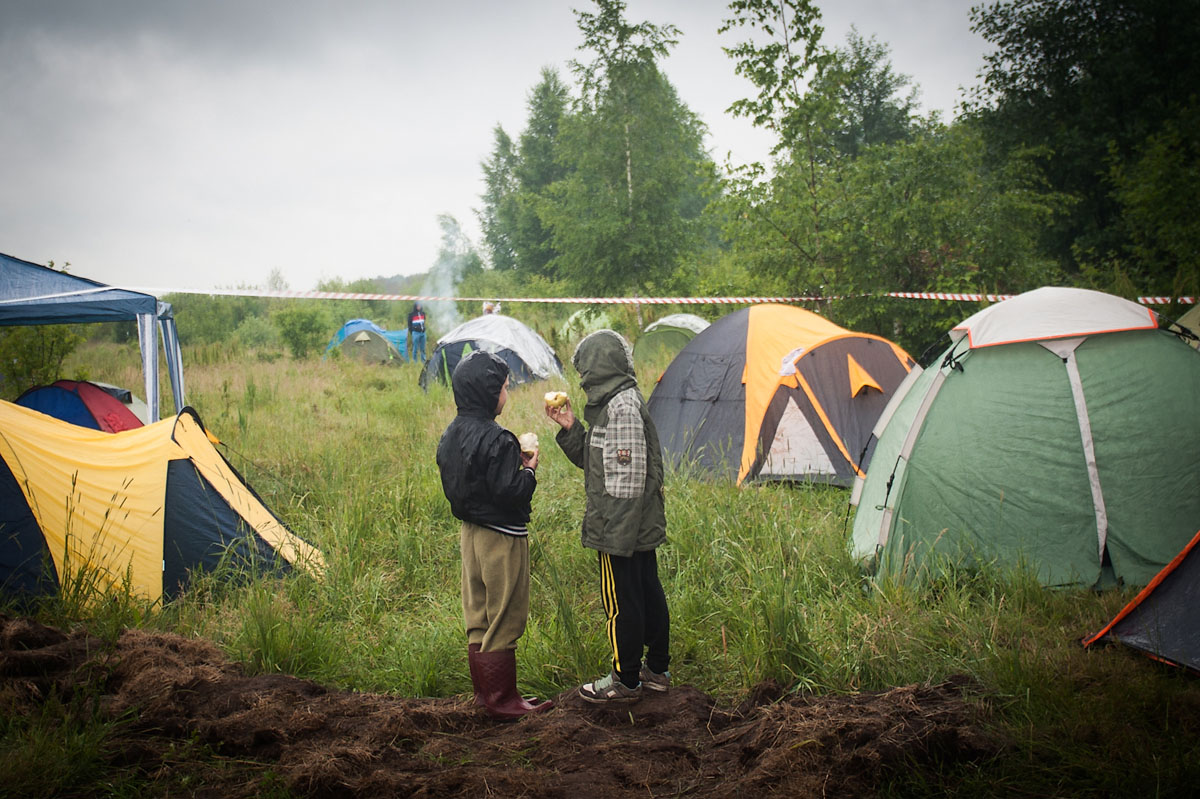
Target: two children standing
490, 484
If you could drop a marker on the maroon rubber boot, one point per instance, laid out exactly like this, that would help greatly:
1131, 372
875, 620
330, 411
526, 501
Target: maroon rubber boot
472, 654
498, 681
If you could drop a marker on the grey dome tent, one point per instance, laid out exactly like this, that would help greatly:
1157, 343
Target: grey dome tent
1161, 621
667, 335
37, 295
527, 354
1057, 432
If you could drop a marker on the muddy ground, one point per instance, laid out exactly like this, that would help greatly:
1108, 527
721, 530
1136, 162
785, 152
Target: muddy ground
247, 735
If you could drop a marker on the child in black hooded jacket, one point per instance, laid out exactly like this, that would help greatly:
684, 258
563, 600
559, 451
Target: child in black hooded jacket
490, 483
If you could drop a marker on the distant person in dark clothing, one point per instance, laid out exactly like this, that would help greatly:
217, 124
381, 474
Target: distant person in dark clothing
416, 333
490, 482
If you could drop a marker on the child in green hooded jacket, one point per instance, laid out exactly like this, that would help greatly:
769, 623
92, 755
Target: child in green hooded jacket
625, 517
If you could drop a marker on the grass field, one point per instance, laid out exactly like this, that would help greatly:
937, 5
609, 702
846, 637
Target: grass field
759, 582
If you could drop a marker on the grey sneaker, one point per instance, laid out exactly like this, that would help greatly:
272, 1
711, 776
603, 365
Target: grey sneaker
653, 681
609, 689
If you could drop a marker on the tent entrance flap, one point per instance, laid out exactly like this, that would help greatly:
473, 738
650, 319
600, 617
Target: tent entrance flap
795, 450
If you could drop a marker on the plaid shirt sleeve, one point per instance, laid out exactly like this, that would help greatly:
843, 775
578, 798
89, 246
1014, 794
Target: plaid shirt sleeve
625, 448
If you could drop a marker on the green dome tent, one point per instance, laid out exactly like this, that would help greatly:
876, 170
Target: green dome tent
583, 322
667, 336
368, 346
1191, 321
1058, 431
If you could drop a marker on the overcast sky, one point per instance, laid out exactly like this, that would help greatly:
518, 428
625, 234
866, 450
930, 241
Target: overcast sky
201, 144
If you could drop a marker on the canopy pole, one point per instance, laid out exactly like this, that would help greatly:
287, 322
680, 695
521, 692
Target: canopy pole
170, 340
148, 343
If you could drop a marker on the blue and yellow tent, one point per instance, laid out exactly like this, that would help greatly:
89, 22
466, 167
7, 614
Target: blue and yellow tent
148, 505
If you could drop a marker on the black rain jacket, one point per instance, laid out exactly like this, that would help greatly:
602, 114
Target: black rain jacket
480, 461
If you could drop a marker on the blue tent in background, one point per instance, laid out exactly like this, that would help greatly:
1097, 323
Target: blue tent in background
398, 338
31, 294
353, 326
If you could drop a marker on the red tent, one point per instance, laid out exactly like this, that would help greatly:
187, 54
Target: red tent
82, 403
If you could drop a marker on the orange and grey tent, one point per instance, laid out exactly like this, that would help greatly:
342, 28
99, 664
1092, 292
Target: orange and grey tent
1161, 621
145, 506
774, 392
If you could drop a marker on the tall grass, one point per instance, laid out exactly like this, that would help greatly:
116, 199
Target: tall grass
758, 579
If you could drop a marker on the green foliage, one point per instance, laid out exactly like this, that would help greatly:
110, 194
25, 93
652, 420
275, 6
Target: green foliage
927, 215
274, 637
205, 319
56, 751
869, 111
387, 314
630, 208
781, 58
1089, 81
866, 200
497, 217
782, 226
517, 179
1159, 191
33, 356
257, 332
303, 327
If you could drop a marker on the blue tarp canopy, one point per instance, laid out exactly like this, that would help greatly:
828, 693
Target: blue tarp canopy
31, 294
37, 295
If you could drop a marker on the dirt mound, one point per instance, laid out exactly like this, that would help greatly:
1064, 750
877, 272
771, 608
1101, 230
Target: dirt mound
336, 743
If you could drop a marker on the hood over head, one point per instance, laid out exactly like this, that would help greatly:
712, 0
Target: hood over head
604, 361
477, 381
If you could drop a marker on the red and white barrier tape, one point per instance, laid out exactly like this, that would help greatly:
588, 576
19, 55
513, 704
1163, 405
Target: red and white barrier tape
342, 295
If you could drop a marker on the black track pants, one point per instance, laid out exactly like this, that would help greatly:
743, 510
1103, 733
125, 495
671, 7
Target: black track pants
636, 609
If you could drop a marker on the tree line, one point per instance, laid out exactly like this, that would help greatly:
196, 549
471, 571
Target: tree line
1074, 162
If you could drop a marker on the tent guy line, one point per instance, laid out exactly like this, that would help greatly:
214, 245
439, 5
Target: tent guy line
341, 295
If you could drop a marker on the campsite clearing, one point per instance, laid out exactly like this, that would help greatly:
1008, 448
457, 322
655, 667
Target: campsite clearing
762, 589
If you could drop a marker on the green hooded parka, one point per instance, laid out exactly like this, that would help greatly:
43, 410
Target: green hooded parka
619, 451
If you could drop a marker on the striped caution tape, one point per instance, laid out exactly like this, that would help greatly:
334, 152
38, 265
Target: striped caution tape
346, 295
932, 295
431, 298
